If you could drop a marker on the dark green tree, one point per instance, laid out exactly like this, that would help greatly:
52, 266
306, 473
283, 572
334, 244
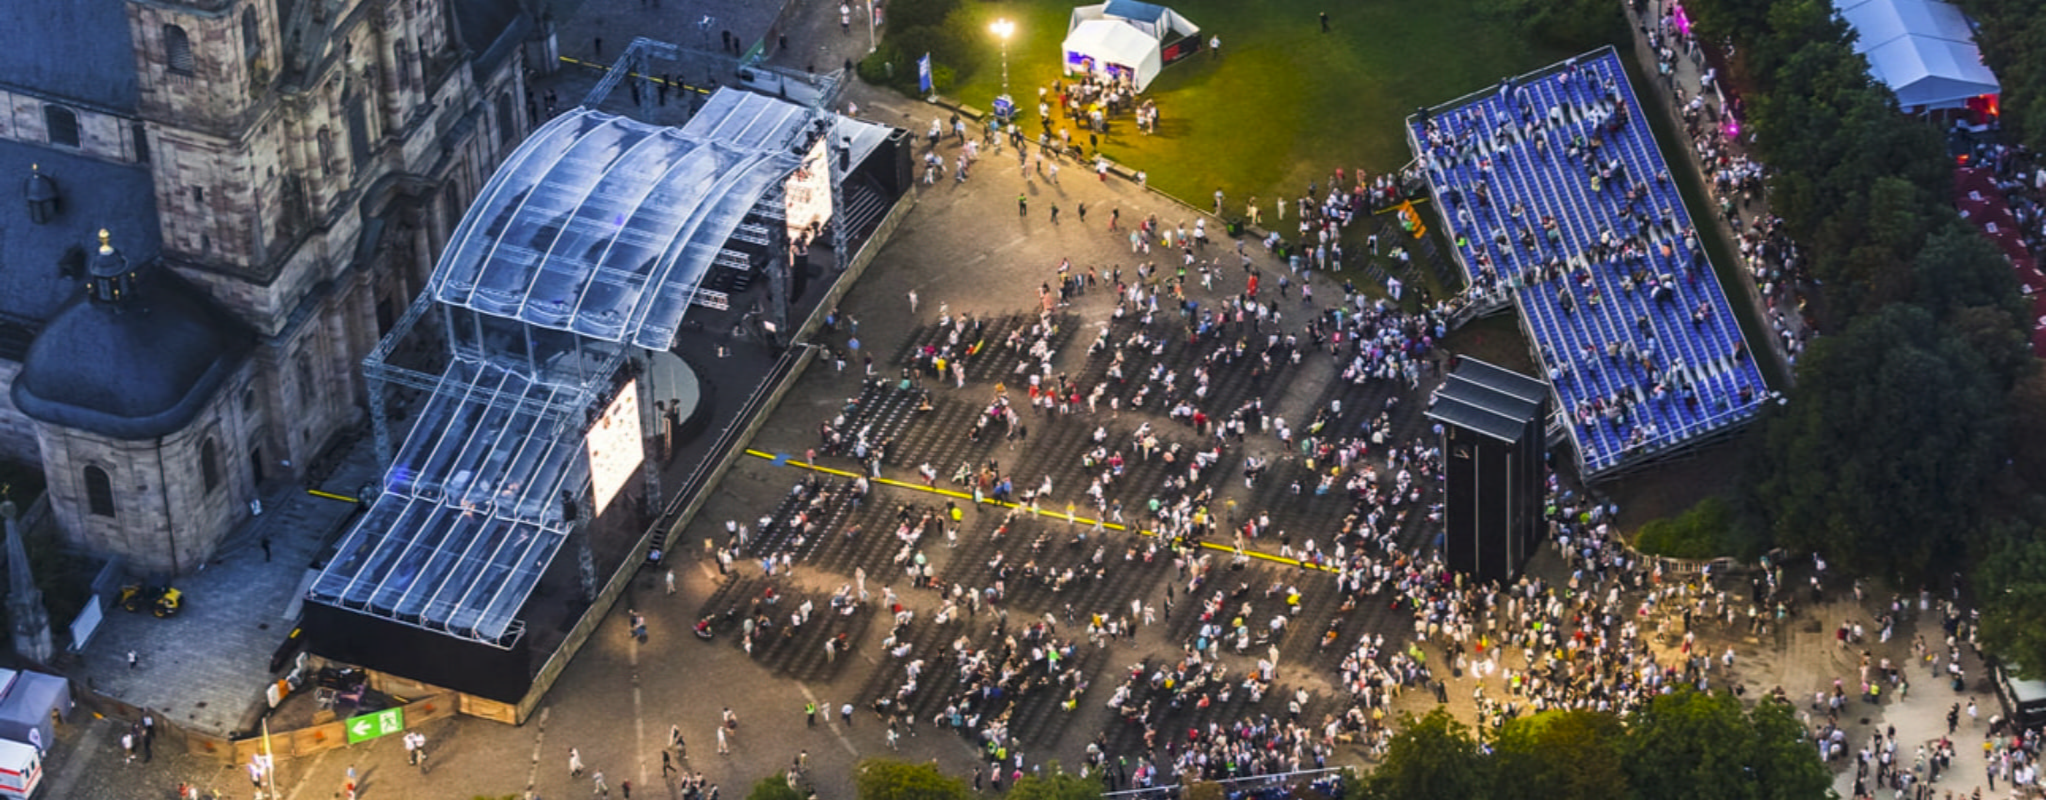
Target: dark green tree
1055, 784
1431, 757
1958, 267
2012, 35
1880, 458
888, 779
1558, 755
2010, 578
1697, 746
2028, 428
773, 787
1567, 24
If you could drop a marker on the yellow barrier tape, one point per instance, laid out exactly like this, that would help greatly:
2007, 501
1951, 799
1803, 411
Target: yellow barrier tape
1075, 519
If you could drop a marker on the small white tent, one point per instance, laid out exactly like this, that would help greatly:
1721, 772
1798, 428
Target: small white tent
1128, 39
1923, 50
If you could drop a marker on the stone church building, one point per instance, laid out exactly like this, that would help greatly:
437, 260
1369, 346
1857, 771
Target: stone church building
223, 205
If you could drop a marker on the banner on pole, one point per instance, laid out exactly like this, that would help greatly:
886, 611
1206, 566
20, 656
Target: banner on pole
923, 73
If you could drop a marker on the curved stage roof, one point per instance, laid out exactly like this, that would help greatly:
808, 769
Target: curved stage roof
606, 226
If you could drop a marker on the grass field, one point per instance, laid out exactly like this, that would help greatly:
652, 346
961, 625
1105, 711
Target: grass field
1284, 104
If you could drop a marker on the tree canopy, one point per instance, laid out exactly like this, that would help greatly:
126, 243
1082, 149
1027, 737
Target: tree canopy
889, 779
2011, 580
1686, 745
773, 787
1056, 784
1697, 746
1880, 458
1432, 756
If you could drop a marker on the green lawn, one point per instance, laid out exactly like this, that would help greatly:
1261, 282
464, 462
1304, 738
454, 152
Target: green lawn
1285, 104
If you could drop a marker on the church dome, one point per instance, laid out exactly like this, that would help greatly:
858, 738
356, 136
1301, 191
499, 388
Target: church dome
134, 356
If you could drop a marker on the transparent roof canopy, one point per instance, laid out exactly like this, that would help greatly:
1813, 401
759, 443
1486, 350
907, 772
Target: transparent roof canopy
605, 226
467, 521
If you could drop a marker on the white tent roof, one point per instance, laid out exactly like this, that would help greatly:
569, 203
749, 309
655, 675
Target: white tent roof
1114, 42
1111, 41
1923, 50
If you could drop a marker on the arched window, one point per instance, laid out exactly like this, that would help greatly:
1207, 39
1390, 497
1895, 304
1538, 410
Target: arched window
62, 124
99, 492
209, 464
305, 379
358, 126
177, 50
507, 125
252, 37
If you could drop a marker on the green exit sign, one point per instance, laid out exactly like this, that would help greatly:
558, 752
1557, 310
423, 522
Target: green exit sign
371, 726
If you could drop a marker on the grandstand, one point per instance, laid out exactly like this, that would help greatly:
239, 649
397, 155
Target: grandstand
1557, 200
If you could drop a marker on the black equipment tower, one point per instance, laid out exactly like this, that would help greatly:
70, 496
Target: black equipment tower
1494, 452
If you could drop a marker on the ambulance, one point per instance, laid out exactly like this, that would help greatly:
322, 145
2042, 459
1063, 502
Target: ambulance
21, 770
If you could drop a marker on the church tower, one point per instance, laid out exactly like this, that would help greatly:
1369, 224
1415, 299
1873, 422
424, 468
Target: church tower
292, 157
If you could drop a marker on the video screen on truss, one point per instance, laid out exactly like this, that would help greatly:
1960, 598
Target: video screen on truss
807, 193
616, 448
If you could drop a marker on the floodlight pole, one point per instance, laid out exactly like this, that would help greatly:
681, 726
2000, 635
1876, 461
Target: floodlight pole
1002, 29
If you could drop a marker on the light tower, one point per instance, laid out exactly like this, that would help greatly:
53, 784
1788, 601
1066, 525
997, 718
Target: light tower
1003, 29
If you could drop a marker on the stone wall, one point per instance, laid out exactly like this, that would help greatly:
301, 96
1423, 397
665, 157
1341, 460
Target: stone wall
17, 431
172, 508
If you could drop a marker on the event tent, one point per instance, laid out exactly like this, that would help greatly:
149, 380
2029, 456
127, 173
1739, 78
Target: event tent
1924, 50
1127, 38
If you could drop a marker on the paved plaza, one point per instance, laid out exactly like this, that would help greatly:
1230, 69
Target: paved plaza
1021, 646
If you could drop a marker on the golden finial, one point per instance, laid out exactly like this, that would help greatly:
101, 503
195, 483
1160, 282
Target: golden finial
105, 247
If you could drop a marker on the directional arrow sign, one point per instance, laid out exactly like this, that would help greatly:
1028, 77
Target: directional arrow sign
371, 726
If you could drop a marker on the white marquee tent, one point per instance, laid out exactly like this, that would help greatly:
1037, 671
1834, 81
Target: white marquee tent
1126, 37
1923, 50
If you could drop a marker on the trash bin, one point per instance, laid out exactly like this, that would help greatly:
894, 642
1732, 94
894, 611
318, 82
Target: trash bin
1235, 228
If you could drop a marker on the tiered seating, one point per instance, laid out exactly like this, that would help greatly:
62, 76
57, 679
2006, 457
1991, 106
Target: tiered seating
1553, 186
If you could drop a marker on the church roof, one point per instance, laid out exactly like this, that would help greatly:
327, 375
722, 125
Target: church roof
91, 194
135, 369
76, 51
490, 29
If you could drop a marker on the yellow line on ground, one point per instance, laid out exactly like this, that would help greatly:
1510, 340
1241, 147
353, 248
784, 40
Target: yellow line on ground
655, 78
1075, 519
332, 496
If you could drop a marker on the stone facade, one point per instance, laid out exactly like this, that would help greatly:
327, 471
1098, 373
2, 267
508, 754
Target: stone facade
306, 172
173, 499
17, 432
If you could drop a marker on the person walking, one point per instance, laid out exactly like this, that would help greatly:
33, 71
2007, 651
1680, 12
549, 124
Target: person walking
1324, 22
600, 788
724, 746
1022, 210
671, 570
810, 713
667, 764
575, 763
912, 301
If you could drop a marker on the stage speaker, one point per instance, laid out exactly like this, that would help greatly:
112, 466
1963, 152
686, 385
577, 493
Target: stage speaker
901, 173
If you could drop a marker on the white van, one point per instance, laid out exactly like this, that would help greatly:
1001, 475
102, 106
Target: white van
21, 770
